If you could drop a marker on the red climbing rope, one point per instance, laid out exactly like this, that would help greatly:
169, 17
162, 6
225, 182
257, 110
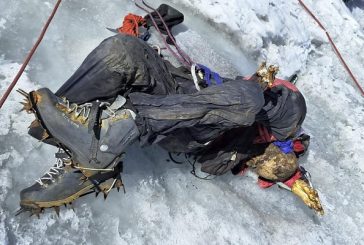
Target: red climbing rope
32, 51
131, 25
333, 46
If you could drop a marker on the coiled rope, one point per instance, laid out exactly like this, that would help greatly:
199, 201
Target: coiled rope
131, 25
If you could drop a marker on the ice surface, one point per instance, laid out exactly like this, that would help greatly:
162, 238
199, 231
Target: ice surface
164, 203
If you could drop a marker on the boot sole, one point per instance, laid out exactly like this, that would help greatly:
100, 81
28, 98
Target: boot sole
56, 203
27, 204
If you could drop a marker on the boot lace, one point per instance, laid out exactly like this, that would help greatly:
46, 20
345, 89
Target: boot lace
56, 170
84, 110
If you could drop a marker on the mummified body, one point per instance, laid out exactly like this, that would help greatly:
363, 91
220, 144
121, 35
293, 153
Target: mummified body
159, 105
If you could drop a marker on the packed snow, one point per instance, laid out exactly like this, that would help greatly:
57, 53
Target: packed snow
164, 203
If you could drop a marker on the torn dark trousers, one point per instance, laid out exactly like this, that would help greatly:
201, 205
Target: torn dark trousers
121, 64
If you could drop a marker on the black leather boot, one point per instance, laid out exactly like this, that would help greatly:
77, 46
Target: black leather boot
62, 184
95, 134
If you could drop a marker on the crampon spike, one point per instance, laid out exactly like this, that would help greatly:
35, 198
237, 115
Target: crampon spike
72, 207
27, 107
105, 195
45, 136
19, 211
36, 212
118, 184
35, 123
56, 209
22, 92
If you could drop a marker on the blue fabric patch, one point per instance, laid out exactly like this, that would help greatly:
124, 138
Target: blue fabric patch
209, 74
285, 146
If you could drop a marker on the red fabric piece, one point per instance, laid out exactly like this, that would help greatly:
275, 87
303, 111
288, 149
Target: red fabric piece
131, 25
243, 170
264, 136
284, 83
264, 184
298, 147
278, 82
295, 177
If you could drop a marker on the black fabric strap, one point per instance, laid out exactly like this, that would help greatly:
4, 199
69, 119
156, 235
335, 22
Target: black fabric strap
94, 128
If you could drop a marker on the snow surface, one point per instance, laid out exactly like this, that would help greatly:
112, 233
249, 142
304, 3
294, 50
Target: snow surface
164, 203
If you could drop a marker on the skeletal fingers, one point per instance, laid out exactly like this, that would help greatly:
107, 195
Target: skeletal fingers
308, 195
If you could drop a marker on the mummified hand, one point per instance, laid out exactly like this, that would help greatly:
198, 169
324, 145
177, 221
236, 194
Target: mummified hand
308, 195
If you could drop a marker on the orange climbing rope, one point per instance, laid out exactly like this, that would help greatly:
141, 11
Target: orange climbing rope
333, 46
32, 51
131, 24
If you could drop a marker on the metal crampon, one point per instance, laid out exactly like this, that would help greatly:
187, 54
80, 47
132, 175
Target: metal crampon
27, 103
106, 187
37, 211
37, 208
88, 160
28, 106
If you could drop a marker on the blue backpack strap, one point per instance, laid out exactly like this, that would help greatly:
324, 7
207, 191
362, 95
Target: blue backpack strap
217, 78
208, 74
